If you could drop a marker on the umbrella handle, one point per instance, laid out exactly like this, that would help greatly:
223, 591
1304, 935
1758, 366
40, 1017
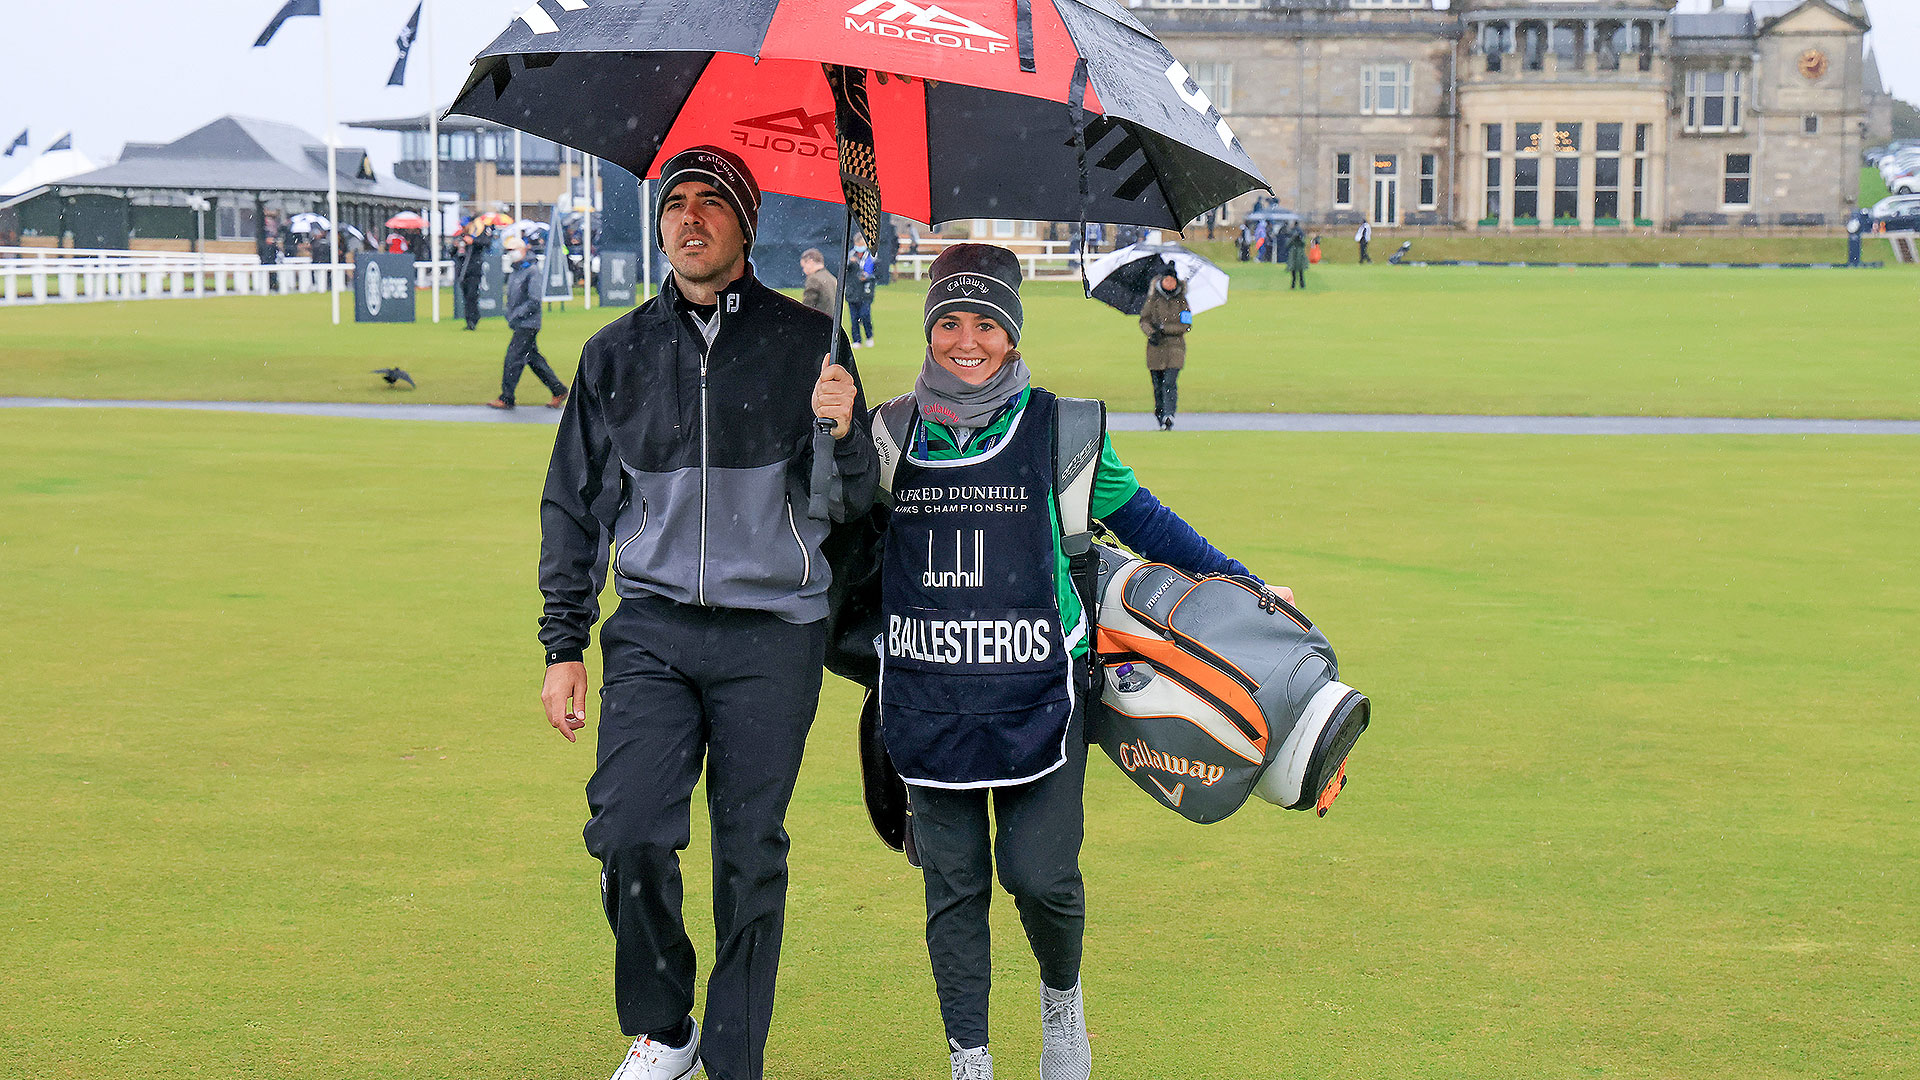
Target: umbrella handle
821, 477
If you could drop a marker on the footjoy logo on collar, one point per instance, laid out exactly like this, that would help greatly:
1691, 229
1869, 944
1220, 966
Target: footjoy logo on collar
929, 25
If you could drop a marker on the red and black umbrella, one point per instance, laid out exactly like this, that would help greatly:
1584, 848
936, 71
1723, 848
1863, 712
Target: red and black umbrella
1036, 109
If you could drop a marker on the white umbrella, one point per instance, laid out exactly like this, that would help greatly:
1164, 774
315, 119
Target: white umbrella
1122, 278
306, 223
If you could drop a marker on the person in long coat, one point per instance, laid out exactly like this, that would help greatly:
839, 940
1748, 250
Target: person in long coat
1297, 260
1165, 319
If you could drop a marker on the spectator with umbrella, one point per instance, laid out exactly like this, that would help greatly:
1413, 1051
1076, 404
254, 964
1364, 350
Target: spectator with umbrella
1165, 318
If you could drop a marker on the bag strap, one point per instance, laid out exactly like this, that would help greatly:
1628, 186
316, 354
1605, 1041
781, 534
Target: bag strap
1080, 427
893, 425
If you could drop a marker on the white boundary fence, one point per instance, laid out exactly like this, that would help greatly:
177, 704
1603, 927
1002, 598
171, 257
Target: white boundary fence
1055, 258
70, 275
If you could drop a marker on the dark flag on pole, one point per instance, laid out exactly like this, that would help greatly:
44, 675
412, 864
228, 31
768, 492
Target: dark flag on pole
64, 142
405, 41
17, 143
291, 9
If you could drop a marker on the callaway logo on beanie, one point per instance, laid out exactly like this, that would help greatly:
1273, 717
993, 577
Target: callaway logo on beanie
980, 278
728, 175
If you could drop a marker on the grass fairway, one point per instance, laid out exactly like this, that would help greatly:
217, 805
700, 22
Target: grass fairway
1638, 803
1362, 339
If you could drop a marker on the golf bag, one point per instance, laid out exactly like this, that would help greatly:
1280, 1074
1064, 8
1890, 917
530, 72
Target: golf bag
1215, 689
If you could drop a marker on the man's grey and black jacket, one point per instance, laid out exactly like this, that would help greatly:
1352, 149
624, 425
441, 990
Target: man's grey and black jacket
524, 289
689, 457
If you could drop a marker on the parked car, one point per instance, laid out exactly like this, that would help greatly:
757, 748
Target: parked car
1897, 213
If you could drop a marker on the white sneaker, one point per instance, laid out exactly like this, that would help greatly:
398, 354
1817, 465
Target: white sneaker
856, 344
1065, 1053
650, 1060
972, 1063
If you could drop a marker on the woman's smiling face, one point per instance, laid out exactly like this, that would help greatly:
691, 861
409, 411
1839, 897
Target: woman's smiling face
971, 346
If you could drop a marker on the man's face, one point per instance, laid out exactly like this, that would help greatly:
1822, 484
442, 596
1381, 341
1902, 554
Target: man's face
704, 242
808, 266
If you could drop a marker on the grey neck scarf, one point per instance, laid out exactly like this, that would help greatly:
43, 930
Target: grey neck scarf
945, 398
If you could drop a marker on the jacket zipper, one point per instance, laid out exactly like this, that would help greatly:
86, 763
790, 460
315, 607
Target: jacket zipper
806, 557
704, 355
622, 550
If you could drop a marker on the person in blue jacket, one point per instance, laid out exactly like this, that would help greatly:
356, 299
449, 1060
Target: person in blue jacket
524, 289
983, 680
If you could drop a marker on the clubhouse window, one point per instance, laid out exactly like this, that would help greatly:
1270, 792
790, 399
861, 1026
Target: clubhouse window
1566, 138
1714, 100
1739, 182
1810, 124
1215, 79
1429, 181
1640, 136
1386, 89
1493, 188
1606, 172
1526, 188
1343, 180
1566, 188
1526, 138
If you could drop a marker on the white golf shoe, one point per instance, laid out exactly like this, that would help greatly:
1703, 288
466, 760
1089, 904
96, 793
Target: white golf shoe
1065, 1053
649, 1059
971, 1063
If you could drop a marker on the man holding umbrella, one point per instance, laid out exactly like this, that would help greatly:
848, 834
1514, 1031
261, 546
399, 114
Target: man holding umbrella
685, 447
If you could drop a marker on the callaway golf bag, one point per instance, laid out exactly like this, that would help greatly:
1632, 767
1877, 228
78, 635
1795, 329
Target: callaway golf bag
1214, 689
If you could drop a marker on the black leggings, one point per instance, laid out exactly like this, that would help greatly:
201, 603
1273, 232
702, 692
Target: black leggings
1037, 848
1166, 393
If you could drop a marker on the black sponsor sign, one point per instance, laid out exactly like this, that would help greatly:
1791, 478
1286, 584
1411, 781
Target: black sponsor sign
619, 271
382, 288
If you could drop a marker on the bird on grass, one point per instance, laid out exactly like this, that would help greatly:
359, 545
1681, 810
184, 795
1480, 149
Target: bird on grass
394, 376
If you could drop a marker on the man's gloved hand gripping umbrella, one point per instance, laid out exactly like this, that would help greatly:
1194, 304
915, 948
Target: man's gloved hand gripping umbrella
1035, 109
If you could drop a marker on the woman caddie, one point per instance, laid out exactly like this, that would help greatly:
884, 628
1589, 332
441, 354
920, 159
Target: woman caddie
984, 659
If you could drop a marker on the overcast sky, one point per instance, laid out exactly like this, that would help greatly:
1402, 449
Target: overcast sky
112, 71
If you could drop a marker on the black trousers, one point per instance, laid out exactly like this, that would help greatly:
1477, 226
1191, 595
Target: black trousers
1297, 278
1166, 393
470, 300
1036, 843
859, 317
735, 690
524, 352
1364, 257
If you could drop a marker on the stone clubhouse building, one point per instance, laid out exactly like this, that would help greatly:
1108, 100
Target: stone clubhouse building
1505, 114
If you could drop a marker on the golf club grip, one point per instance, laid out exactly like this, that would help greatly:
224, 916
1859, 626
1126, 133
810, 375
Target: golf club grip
822, 474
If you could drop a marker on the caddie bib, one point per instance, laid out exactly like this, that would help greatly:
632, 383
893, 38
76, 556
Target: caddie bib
976, 680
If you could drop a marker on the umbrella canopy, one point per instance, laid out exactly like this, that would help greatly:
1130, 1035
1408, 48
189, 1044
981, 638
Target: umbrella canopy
1122, 278
306, 223
406, 220
529, 228
491, 219
977, 107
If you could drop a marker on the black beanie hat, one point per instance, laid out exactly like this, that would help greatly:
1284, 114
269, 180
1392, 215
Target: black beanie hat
980, 278
728, 175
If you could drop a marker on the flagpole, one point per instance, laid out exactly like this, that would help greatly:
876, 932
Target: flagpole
433, 148
333, 163
586, 235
